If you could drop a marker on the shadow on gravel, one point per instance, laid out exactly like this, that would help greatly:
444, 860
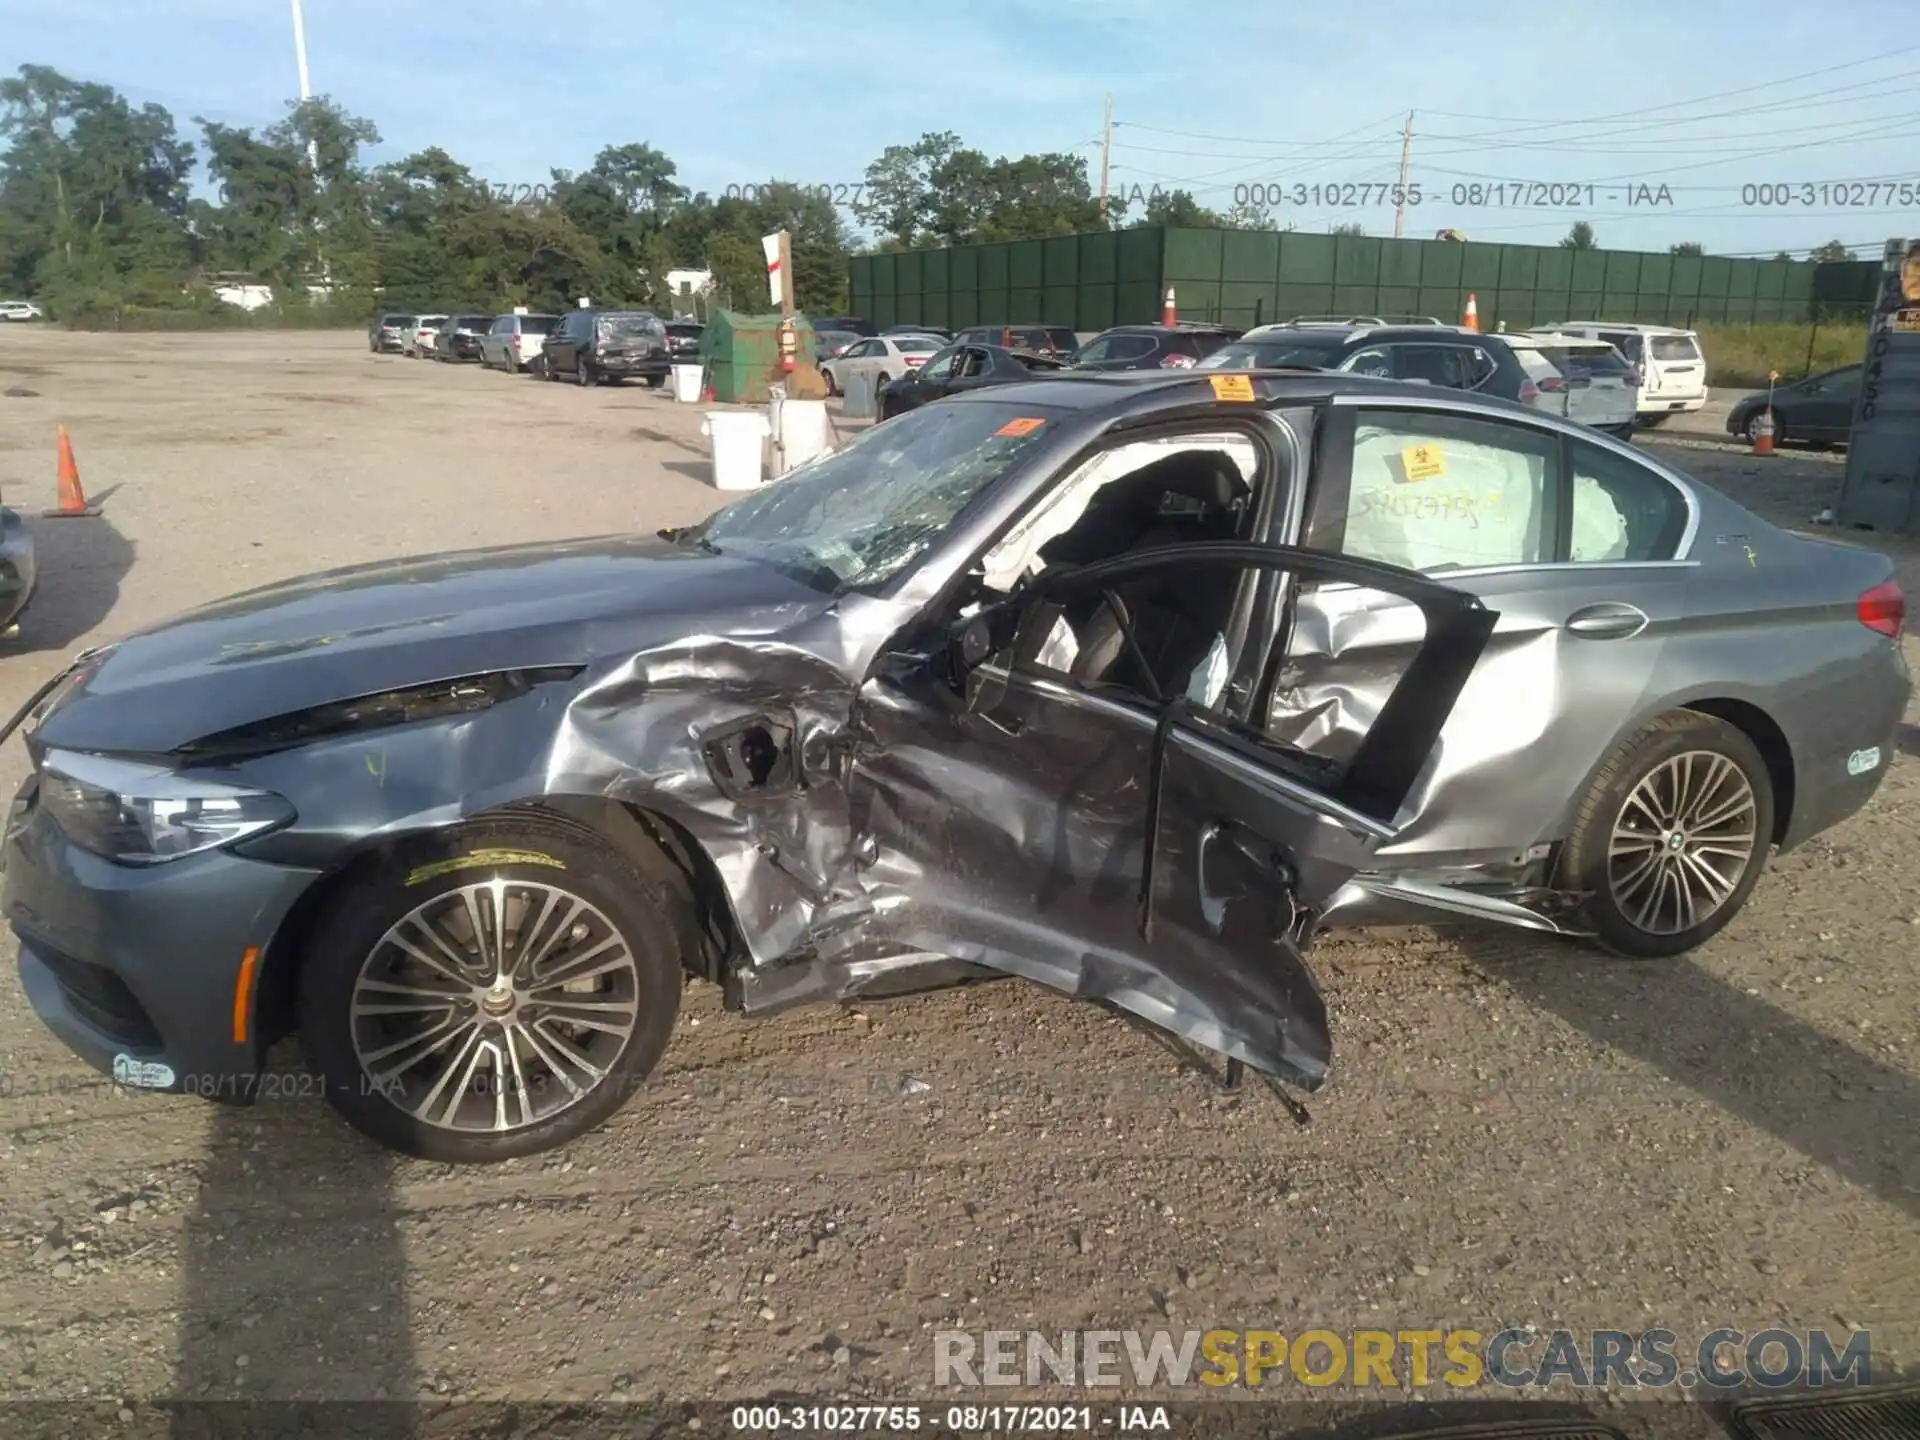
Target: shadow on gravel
80, 564
1836, 1105
295, 1268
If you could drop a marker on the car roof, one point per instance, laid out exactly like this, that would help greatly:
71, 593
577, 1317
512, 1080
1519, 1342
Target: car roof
1444, 333
1619, 325
1146, 390
1534, 340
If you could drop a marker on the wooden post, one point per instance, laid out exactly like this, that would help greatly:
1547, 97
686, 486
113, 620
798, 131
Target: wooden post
786, 276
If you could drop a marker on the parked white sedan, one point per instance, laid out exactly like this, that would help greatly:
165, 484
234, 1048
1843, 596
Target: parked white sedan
514, 341
883, 358
421, 339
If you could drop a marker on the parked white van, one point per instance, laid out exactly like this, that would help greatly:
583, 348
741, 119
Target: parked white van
1673, 369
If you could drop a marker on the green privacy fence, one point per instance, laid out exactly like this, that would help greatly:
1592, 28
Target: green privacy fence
1250, 277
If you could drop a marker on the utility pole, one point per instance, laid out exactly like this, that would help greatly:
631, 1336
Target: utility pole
1106, 154
306, 85
1400, 209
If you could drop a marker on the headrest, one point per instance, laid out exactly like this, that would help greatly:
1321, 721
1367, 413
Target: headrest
1208, 476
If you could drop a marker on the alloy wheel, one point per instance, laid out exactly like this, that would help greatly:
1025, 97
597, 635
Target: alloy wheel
1682, 842
494, 1006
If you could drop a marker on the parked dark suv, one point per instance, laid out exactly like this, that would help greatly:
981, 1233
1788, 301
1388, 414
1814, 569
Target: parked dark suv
1152, 347
1034, 339
1440, 355
599, 347
460, 337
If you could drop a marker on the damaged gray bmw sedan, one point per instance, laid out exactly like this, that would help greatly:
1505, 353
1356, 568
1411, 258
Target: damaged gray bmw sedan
1124, 685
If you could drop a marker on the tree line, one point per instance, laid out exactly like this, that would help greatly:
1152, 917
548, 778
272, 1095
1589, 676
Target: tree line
98, 214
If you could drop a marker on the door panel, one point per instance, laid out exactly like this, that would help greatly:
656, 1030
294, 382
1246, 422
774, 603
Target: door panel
1540, 710
1125, 850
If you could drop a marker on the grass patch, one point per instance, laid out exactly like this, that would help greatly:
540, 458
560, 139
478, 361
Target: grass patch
1739, 356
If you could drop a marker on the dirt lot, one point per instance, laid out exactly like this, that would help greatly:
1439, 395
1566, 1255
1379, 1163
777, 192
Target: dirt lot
1518, 1132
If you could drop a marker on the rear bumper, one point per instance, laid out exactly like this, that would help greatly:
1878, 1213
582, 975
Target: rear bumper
1679, 404
19, 570
1837, 778
635, 366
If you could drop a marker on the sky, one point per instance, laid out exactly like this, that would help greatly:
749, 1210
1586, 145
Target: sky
1525, 117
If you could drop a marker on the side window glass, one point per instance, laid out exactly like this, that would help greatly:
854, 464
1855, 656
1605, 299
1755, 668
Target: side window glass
940, 366
1442, 492
1435, 364
1621, 509
1376, 360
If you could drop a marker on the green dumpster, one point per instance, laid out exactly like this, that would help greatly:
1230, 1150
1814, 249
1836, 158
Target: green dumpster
741, 354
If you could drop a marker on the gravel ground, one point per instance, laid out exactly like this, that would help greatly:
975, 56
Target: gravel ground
1517, 1132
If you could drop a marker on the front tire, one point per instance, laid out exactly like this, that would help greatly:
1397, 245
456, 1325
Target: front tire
654, 382
1753, 426
492, 991
1672, 836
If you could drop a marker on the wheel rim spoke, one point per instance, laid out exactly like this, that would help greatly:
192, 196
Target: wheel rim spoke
1684, 840
495, 1006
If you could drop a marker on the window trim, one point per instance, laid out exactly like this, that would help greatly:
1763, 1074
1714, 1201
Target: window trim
1336, 449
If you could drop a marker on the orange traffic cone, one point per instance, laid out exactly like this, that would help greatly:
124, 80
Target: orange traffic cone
1168, 315
73, 500
1471, 320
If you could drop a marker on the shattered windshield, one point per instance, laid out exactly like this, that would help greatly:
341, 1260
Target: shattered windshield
631, 326
866, 513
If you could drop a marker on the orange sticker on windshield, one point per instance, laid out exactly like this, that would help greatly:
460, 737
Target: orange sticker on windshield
1232, 387
1025, 425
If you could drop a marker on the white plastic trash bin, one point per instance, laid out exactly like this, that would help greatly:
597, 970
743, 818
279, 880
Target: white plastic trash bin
738, 439
686, 383
803, 432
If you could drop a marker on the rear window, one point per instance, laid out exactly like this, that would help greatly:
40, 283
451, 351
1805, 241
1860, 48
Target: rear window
476, 322
1675, 347
1591, 361
538, 324
396, 319
1117, 347
918, 344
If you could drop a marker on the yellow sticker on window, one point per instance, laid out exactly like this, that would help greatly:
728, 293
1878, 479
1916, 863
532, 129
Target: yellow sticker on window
1025, 425
1232, 387
1422, 462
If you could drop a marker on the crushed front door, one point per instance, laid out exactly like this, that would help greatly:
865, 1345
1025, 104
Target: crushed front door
1147, 852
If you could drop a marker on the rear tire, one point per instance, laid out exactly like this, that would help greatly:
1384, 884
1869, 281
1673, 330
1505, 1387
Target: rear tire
582, 376
1672, 836
1655, 421
623, 935
832, 388
654, 382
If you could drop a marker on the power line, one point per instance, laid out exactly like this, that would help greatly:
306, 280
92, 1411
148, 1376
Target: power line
1684, 104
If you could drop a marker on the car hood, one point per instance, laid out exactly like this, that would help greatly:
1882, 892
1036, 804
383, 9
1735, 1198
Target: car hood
359, 631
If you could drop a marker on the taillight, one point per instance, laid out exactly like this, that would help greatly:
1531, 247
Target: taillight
913, 360
1883, 608
1552, 383
1176, 362
1529, 392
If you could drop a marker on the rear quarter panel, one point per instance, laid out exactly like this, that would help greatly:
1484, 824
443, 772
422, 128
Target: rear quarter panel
1770, 624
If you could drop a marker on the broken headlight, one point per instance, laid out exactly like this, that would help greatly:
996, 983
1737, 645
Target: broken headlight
145, 814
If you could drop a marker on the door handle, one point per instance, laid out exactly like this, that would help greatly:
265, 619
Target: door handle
1608, 620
